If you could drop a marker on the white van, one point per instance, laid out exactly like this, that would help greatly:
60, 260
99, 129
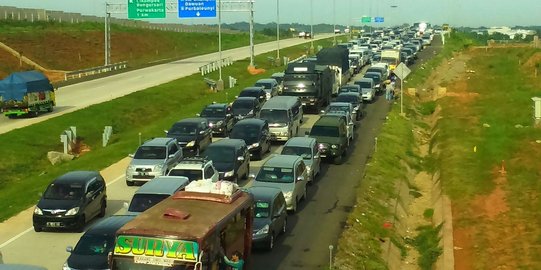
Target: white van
284, 115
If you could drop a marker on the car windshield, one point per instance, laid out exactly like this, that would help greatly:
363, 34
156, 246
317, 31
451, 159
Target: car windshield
220, 154
150, 152
304, 152
275, 175
336, 108
367, 90
243, 104
325, 131
61, 191
250, 93
346, 98
245, 132
364, 84
94, 245
274, 116
183, 129
190, 174
213, 112
142, 202
349, 89
374, 77
262, 209
263, 84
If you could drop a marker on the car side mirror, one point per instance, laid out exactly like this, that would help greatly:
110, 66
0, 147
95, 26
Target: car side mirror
88, 195
166, 131
69, 249
241, 158
172, 156
228, 115
300, 178
131, 155
251, 176
202, 132
198, 114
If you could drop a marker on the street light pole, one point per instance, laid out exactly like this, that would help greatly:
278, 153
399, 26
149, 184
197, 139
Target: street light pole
278, 31
220, 83
311, 26
334, 21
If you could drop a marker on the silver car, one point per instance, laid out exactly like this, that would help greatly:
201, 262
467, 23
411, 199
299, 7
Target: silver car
307, 149
288, 173
154, 158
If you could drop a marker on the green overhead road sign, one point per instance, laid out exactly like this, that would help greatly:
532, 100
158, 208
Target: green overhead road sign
366, 19
146, 9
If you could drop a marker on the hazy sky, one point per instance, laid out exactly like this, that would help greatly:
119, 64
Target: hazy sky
456, 12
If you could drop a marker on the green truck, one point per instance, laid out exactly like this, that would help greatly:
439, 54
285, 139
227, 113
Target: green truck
26, 93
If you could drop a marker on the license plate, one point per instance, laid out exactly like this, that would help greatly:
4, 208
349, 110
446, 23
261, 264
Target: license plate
54, 224
323, 155
143, 174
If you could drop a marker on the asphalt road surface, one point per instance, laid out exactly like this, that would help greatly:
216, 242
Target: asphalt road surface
317, 224
77, 96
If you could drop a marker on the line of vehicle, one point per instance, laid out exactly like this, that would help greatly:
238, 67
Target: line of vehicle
12, 239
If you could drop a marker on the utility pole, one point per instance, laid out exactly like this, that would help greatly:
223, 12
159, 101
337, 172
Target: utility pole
334, 21
251, 33
311, 26
278, 32
107, 35
220, 82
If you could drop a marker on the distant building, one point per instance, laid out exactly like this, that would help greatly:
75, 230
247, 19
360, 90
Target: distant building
510, 32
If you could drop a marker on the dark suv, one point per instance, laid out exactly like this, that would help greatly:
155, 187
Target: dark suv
255, 91
231, 158
70, 201
331, 134
94, 246
192, 134
255, 132
220, 118
246, 107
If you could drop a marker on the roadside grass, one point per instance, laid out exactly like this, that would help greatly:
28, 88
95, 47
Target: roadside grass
486, 123
360, 246
80, 45
360, 243
427, 243
498, 124
26, 171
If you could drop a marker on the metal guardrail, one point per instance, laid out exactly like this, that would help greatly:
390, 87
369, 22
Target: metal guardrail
213, 66
95, 70
298, 59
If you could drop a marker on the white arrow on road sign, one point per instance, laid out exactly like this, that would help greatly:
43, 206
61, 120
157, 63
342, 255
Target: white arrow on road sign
198, 14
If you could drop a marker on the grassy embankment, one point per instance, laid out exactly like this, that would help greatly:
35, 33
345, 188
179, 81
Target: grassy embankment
488, 123
67, 46
26, 170
360, 246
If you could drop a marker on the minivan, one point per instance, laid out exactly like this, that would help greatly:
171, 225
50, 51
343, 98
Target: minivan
284, 115
154, 192
70, 201
255, 133
306, 148
92, 249
288, 173
270, 216
231, 158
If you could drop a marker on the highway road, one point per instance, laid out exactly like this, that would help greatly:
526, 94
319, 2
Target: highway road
317, 224
77, 96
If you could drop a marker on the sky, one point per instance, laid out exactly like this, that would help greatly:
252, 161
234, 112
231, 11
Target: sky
472, 13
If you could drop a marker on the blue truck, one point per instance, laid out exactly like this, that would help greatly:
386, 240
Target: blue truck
26, 93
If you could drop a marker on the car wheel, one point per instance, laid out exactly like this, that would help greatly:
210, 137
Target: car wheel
304, 194
81, 224
270, 244
102, 208
338, 160
284, 226
312, 178
245, 176
37, 229
129, 183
